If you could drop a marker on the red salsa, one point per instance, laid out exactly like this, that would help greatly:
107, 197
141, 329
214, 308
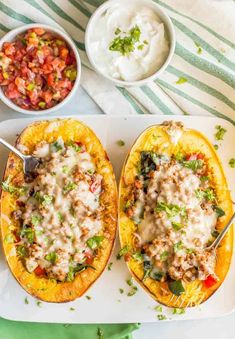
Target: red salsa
37, 70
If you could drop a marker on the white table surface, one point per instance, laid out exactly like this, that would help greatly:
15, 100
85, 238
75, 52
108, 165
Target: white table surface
218, 328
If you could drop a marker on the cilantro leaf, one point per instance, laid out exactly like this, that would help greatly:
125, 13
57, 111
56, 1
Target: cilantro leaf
95, 242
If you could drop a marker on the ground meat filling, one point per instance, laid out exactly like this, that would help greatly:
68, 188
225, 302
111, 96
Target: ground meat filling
175, 209
60, 213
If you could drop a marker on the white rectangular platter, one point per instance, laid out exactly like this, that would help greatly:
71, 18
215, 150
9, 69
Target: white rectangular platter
106, 304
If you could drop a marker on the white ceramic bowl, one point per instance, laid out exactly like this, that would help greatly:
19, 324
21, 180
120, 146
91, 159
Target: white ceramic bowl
161, 14
11, 36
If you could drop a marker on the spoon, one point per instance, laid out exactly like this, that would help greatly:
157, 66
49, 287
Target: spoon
218, 240
29, 163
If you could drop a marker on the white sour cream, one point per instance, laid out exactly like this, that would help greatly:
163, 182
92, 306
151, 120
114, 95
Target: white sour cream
143, 61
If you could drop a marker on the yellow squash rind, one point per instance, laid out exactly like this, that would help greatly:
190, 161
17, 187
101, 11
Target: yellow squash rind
48, 289
157, 139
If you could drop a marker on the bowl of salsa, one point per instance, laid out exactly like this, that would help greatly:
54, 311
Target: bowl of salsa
40, 69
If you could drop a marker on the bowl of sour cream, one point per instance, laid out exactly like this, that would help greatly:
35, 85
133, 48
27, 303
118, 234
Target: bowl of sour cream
130, 42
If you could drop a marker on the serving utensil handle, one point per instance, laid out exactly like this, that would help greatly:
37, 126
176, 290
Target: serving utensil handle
217, 241
12, 148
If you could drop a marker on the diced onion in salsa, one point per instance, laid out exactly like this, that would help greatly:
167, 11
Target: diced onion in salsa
37, 70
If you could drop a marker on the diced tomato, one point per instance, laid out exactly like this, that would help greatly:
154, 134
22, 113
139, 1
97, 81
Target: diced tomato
48, 96
200, 156
194, 156
39, 31
39, 271
127, 257
12, 91
17, 237
33, 96
63, 52
23, 63
9, 48
83, 147
51, 79
210, 281
89, 258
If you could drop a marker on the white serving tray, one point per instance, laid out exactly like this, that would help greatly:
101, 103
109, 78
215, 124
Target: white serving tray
107, 305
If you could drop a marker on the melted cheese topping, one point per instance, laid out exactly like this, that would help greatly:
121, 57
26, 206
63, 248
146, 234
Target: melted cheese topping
62, 209
174, 224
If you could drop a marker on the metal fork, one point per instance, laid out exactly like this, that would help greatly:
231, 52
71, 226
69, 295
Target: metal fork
29, 163
218, 240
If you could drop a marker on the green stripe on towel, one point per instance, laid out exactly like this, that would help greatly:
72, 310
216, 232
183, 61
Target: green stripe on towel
194, 101
208, 29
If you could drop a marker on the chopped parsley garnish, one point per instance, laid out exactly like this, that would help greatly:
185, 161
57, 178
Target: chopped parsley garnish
219, 135
178, 246
193, 164
52, 257
145, 42
158, 308
147, 269
56, 147
216, 147
9, 238
179, 156
121, 290
22, 251
171, 210
140, 47
88, 297
72, 309
69, 187
95, 242
47, 200
8, 187
177, 225
60, 216
199, 48
26, 301
181, 80
118, 31
122, 252
121, 143
28, 233
133, 291
75, 269
75, 146
110, 266
204, 178
39, 303
65, 169
35, 219
208, 194
43, 199
219, 211
164, 256
178, 311
138, 256
126, 45
129, 282
232, 162
161, 317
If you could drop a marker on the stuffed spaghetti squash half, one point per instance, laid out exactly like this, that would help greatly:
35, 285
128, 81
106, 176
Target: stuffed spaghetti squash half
58, 226
174, 201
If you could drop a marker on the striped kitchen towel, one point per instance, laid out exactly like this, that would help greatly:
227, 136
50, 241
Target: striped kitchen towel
200, 79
